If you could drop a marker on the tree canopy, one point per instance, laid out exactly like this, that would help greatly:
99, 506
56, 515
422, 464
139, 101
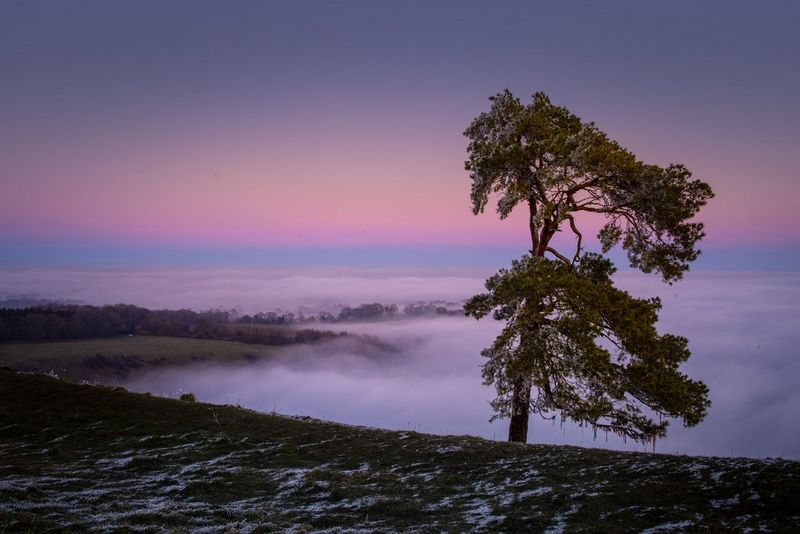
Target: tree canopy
543, 155
590, 350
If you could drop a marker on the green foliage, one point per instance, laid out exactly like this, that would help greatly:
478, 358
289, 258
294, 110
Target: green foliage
543, 155
589, 350
188, 397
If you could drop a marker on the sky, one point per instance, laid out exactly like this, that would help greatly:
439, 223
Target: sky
329, 134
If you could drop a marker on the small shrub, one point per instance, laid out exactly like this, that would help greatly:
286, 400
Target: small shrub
188, 397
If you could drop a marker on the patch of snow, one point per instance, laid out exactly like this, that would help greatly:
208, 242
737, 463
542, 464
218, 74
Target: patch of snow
361, 502
115, 462
677, 525
725, 503
536, 492
561, 521
429, 475
291, 479
304, 445
360, 469
446, 502
479, 514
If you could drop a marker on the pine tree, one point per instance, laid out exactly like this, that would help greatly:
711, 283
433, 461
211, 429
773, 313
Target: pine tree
589, 350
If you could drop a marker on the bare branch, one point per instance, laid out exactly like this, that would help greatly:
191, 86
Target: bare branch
574, 228
558, 255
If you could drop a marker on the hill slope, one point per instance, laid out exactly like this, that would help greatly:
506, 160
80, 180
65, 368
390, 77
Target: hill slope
75, 457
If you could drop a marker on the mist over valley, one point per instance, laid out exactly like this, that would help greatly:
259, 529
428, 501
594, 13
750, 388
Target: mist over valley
425, 374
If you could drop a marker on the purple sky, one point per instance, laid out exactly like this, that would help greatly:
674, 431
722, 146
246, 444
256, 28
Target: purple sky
329, 133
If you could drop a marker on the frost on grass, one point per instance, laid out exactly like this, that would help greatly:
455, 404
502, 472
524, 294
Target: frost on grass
479, 514
677, 526
331, 478
725, 503
560, 521
535, 492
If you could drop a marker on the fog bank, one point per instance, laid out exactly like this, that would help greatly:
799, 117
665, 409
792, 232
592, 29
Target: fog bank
743, 330
247, 290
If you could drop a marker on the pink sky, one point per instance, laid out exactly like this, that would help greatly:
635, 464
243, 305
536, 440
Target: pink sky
343, 127
339, 184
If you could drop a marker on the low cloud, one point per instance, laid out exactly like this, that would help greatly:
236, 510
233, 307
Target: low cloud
743, 330
430, 382
248, 290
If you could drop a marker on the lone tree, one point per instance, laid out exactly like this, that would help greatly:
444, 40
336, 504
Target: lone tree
574, 344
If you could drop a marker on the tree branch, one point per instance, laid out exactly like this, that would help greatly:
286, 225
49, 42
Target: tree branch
574, 228
558, 255
584, 185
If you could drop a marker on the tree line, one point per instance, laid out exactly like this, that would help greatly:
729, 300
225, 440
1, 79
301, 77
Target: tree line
85, 321
75, 321
363, 312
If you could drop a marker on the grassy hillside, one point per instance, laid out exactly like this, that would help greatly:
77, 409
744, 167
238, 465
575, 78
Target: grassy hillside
103, 359
78, 457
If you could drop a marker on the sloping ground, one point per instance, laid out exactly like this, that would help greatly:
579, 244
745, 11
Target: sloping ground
84, 457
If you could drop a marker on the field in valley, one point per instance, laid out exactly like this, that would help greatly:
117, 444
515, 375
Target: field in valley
106, 359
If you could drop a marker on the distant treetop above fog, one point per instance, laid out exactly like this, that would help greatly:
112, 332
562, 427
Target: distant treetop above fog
363, 312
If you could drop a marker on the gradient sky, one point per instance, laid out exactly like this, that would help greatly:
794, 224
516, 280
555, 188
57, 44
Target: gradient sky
330, 133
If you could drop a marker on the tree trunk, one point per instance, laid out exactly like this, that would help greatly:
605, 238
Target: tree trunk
518, 427
520, 404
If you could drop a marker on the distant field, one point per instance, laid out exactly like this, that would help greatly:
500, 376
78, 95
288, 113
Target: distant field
105, 358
